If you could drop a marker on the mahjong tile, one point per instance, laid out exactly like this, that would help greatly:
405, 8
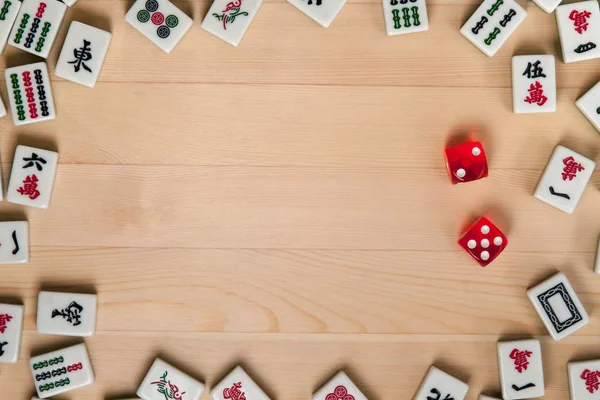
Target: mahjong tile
82, 54
14, 242
440, 385
564, 179
579, 30
32, 177
558, 306
547, 5
322, 12
492, 24
534, 84
521, 369
165, 381
36, 26
484, 397
67, 314
70, 3
8, 14
340, 387
584, 380
589, 105
405, 16
11, 329
229, 20
61, 371
160, 21
237, 385
30, 93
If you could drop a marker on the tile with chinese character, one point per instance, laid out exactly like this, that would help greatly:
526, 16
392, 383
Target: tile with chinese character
534, 84
163, 380
492, 24
237, 385
579, 30
36, 26
82, 54
521, 371
558, 306
30, 94
9, 9
405, 16
61, 371
322, 12
14, 242
564, 179
439, 385
589, 105
484, 397
547, 5
339, 387
160, 21
67, 314
584, 380
11, 329
229, 20
32, 177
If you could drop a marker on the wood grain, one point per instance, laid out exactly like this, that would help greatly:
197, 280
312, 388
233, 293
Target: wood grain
285, 205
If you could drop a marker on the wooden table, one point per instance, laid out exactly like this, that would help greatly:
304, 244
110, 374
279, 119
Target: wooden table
285, 204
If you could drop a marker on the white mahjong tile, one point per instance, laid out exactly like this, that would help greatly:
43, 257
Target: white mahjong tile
521, 370
492, 24
229, 20
32, 177
30, 93
163, 380
61, 371
9, 10
83, 54
579, 30
534, 84
14, 242
589, 105
36, 26
11, 329
237, 385
564, 179
547, 5
67, 314
405, 16
584, 380
160, 21
484, 397
70, 3
440, 385
322, 12
558, 306
339, 387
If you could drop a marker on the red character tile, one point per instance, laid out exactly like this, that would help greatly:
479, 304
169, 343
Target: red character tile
483, 241
466, 162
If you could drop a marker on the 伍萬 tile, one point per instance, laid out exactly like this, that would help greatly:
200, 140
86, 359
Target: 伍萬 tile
237, 383
439, 385
521, 369
589, 105
584, 379
67, 314
11, 329
14, 242
163, 379
405, 16
339, 387
579, 30
534, 84
229, 19
32, 177
9, 9
323, 12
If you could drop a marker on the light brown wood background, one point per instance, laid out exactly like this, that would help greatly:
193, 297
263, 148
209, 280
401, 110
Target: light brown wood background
285, 204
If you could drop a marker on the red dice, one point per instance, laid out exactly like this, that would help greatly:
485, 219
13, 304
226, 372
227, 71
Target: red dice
466, 162
483, 241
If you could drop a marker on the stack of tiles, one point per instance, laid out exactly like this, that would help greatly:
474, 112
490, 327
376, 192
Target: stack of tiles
32, 177
584, 380
14, 242
339, 387
165, 381
322, 12
579, 29
11, 329
30, 94
229, 20
8, 14
237, 385
61, 371
402, 16
521, 370
440, 385
534, 84
589, 105
68, 314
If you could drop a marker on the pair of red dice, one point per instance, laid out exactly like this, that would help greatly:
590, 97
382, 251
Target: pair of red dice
483, 240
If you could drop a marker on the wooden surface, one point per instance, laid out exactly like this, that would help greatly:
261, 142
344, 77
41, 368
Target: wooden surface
285, 204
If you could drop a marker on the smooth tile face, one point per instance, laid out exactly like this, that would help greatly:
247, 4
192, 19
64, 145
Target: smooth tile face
589, 105
36, 26
405, 16
164, 379
82, 54
229, 20
439, 385
534, 84
237, 385
11, 329
32, 177
584, 380
68, 314
9, 9
564, 179
339, 387
547, 5
579, 30
322, 12
14, 242
61, 371
521, 370
30, 94
558, 306
160, 21
492, 24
